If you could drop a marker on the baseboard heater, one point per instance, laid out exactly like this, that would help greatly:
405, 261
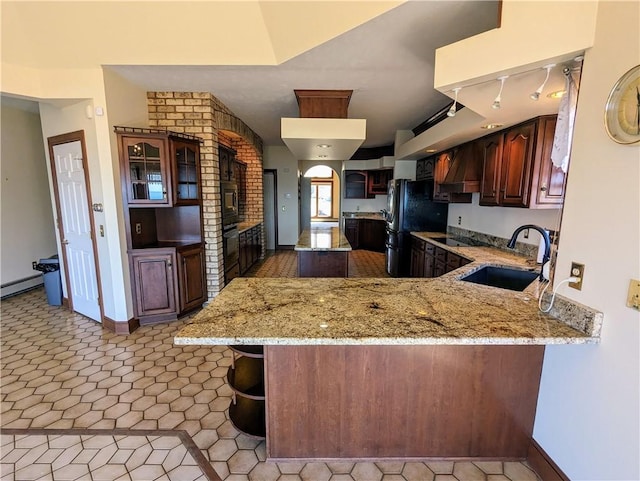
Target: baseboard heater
19, 286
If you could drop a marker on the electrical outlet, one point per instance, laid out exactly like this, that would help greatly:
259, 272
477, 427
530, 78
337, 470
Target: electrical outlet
633, 298
577, 270
138, 228
459, 219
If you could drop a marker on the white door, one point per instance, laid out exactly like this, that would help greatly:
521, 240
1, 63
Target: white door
76, 229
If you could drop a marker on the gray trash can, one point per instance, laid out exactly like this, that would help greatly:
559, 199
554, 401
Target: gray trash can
50, 268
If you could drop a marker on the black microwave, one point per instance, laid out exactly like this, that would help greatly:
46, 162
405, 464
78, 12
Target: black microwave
229, 194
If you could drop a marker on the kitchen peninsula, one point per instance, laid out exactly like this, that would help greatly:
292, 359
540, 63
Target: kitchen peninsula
323, 252
393, 368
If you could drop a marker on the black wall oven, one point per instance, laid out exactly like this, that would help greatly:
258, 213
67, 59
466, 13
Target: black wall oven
229, 194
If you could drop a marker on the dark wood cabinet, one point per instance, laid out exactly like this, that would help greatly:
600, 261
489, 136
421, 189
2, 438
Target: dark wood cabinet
250, 247
226, 157
367, 234
548, 182
159, 168
442, 165
185, 172
429, 260
416, 268
491, 153
352, 232
517, 168
145, 168
517, 153
154, 282
193, 289
378, 181
161, 191
425, 168
316, 263
355, 184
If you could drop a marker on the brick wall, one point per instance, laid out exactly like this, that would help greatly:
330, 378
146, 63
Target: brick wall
203, 115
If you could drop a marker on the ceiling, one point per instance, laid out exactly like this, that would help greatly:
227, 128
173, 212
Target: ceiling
388, 62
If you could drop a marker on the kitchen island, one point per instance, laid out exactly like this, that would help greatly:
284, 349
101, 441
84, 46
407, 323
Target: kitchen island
323, 252
394, 368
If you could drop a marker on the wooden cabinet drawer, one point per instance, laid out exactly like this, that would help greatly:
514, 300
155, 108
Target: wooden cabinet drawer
440, 255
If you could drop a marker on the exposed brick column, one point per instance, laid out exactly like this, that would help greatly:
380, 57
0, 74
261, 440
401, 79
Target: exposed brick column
203, 115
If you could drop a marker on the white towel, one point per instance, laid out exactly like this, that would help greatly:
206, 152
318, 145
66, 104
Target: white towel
564, 126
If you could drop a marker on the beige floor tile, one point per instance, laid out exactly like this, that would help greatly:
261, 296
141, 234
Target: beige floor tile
519, 472
489, 467
468, 471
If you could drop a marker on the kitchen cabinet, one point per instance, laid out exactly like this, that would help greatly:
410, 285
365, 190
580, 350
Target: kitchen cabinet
416, 268
429, 260
352, 232
517, 168
226, 157
161, 191
245, 377
191, 279
425, 168
491, 156
159, 168
378, 181
355, 184
442, 165
367, 234
250, 247
154, 282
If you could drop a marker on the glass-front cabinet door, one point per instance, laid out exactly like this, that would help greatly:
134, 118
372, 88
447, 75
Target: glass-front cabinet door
187, 184
146, 172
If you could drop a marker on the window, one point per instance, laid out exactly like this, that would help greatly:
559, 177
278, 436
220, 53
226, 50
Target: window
321, 199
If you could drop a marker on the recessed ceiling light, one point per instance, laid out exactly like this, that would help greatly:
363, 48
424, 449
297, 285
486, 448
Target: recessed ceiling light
491, 126
324, 146
430, 151
557, 94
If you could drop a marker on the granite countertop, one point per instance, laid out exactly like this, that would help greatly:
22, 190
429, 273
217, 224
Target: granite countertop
322, 239
363, 215
244, 226
443, 310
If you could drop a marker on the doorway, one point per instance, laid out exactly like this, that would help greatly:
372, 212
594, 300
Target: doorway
270, 193
322, 197
76, 227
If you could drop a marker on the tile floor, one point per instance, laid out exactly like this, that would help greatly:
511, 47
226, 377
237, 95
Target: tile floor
79, 402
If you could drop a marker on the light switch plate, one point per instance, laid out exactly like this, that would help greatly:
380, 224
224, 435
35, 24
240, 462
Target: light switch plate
633, 297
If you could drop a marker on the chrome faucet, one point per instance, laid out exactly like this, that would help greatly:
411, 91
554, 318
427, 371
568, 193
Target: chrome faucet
547, 244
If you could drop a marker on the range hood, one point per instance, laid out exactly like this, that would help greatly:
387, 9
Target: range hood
465, 173
323, 131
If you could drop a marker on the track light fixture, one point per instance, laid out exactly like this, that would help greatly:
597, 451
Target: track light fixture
452, 110
536, 95
498, 99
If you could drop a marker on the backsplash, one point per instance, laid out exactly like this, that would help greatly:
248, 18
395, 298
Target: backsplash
480, 239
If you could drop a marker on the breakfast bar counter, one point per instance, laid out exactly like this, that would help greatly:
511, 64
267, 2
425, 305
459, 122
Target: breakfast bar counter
366, 368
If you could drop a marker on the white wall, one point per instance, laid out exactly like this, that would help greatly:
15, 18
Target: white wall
502, 221
364, 205
25, 193
588, 411
281, 159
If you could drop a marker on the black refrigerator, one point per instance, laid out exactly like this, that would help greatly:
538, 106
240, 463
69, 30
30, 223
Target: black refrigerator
410, 208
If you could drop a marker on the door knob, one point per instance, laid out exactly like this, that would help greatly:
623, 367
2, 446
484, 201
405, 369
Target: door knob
65, 242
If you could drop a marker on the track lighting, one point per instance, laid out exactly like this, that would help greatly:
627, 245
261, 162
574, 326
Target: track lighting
498, 99
536, 95
452, 110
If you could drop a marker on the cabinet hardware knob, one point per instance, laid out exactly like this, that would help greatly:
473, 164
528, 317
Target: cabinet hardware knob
65, 242
169, 264
543, 188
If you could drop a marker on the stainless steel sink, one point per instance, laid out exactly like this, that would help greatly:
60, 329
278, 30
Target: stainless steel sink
502, 277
